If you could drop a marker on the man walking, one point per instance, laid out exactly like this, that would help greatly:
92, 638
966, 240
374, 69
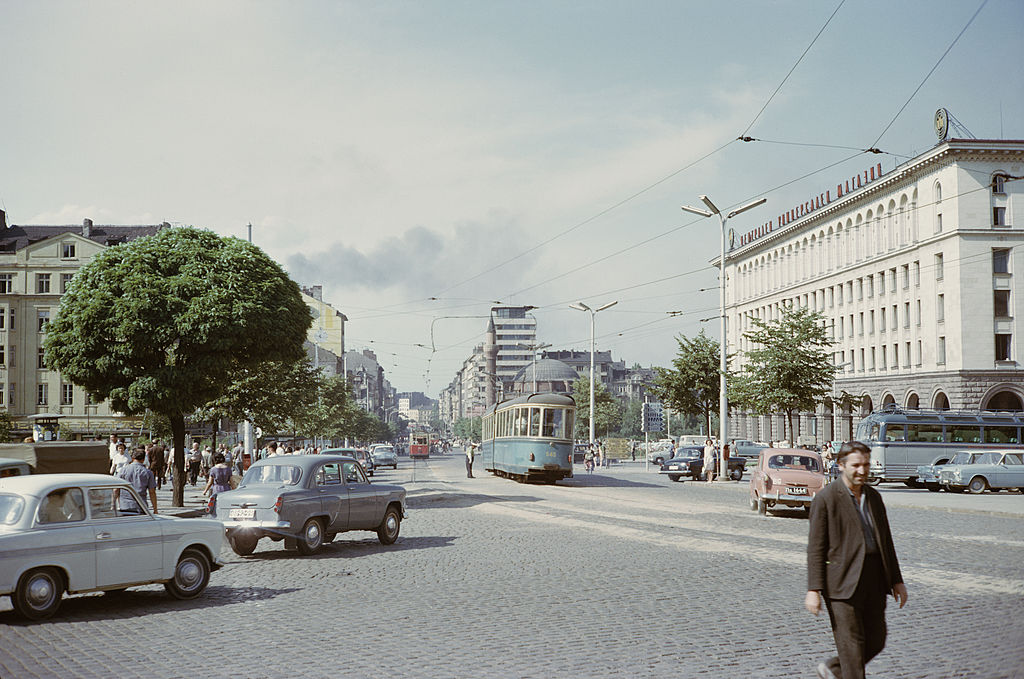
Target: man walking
470, 454
142, 480
852, 565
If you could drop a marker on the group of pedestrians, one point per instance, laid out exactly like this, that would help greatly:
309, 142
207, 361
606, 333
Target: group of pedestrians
595, 455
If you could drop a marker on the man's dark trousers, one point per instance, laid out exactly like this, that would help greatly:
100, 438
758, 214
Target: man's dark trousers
858, 623
469, 468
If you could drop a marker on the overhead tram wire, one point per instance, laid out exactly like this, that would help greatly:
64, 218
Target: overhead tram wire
592, 218
948, 49
808, 49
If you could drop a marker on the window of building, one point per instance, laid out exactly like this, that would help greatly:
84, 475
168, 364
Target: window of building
917, 273
831, 297
3, 318
881, 320
938, 266
2, 393
894, 318
881, 282
42, 394
67, 394
43, 318
906, 354
871, 286
65, 279
871, 323
895, 356
906, 276
906, 314
862, 360
940, 308
1002, 347
938, 223
11, 324
940, 351
917, 312
840, 331
872, 358
41, 358
6, 282
2, 353
42, 283
1002, 303
11, 353
1001, 260
998, 183
999, 216
839, 294
860, 289
860, 323
67, 250
917, 353
884, 364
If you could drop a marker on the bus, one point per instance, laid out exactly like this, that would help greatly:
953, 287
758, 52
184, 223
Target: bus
902, 439
419, 444
530, 438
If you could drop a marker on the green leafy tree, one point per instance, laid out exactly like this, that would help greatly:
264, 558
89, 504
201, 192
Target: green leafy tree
629, 425
606, 411
691, 386
6, 425
468, 428
167, 322
789, 368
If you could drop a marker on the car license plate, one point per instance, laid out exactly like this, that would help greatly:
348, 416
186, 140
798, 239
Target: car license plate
674, 467
242, 513
798, 491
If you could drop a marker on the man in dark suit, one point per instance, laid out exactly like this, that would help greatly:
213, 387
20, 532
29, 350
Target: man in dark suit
852, 565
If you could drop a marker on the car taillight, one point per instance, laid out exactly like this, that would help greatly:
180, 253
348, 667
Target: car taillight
277, 505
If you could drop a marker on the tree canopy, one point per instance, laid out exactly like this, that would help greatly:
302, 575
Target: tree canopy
789, 367
606, 410
691, 386
167, 322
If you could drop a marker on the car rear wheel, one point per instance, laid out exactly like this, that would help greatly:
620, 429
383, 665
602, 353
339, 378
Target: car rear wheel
977, 485
242, 545
736, 475
191, 575
38, 594
312, 537
389, 528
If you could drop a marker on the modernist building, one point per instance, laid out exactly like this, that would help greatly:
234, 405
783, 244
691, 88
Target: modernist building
515, 329
918, 272
36, 265
326, 333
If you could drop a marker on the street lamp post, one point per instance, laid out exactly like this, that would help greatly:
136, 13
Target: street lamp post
835, 418
723, 402
534, 347
580, 306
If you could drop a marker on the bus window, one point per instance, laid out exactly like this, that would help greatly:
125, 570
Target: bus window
894, 432
554, 419
535, 415
1001, 435
962, 433
925, 433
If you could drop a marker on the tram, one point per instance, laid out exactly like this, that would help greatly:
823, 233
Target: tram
530, 438
902, 439
419, 444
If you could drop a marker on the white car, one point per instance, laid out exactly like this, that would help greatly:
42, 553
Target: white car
64, 533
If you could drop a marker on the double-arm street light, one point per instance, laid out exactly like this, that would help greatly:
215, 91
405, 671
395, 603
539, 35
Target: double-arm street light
723, 402
534, 348
580, 306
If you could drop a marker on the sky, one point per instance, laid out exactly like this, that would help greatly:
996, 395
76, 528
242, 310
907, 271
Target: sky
426, 160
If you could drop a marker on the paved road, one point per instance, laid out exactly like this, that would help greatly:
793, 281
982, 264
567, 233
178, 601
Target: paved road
615, 574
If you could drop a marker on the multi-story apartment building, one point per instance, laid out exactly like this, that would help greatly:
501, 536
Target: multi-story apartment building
36, 266
515, 329
918, 272
327, 331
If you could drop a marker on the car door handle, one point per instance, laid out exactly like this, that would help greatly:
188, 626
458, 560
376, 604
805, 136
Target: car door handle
103, 536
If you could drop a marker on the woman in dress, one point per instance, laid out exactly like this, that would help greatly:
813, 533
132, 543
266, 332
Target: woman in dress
220, 476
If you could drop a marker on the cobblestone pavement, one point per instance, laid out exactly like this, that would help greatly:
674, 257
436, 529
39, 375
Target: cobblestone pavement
617, 574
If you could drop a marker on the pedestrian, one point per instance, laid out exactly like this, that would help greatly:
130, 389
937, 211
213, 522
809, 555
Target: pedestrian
192, 463
588, 460
219, 479
852, 564
207, 460
157, 463
470, 455
120, 459
271, 450
142, 481
605, 460
709, 460
597, 454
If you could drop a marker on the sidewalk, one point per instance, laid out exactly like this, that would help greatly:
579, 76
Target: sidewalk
195, 501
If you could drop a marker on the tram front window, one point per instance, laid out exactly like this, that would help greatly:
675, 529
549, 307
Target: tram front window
554, 423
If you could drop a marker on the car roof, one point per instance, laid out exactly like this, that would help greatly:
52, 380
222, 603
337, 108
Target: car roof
302, 461
37, 484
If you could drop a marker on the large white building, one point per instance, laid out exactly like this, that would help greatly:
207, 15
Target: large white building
516, 332
918, 272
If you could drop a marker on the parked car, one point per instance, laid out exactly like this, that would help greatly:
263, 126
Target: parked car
64, 533
384, 456
928, 475
992, 470
679, 466
12, 467
361, 456
306, 500
736, 466
786, 476
745, 448
659, 452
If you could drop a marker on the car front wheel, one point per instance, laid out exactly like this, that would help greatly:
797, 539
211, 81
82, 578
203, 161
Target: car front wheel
312, 537
388, 530
191, 575
977, 485
38, 594
736, 475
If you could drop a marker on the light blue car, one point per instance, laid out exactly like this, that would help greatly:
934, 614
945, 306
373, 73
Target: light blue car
991, 470
928, 474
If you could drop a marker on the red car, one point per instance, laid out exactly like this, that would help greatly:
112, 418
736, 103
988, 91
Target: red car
786, 476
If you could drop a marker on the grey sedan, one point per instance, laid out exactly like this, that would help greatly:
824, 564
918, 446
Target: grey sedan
306, 500
384, 456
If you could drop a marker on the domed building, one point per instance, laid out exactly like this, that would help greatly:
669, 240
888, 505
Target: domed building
551, 376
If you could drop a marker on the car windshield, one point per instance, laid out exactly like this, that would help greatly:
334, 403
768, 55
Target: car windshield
798, 462
960, 458
272, 474
11, 507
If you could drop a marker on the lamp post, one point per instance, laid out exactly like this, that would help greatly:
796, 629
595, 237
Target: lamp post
534, 347
723, 402
835, 418
580, 306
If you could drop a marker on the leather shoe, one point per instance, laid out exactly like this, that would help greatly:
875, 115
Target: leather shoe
824, 672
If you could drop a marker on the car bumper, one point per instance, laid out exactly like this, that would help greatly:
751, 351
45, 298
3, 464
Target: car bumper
790, 499
267, 527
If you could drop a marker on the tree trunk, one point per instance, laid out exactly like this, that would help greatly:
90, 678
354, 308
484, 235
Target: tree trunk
178, 477
789, 421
